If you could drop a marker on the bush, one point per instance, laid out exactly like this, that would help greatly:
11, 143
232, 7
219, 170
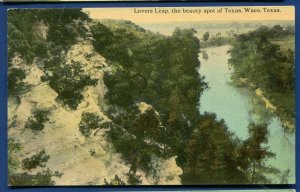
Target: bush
116, 181
106, 124
37, 120
69, 81
89, 121
39, 179
134, 179
13, 147
35, 161
15, 79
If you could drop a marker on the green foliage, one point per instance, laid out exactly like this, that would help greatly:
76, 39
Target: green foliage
216, 41
41, 178
150, 63
205, 36
69, 80
37, 160
37, 121
20, 34
135, 151
89, 121
253, 154
161, 72
267, 65
62, 31
21, 30
209, 156
15, 79
102, 35
62, 28
134, 179
116, 181
13, 148
119, 94
275, 32
113, 44
140, 138
254, 51
143, 124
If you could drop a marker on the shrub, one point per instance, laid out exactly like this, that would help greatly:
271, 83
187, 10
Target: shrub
38, 179
15, 79
106, 124
69, 81
116, 181
89, 121
36, 121
35, 161
13, 147
134, 179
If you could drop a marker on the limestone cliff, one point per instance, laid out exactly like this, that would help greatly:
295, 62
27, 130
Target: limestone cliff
82, 160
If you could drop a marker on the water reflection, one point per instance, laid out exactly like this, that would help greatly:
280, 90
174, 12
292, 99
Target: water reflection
258, 112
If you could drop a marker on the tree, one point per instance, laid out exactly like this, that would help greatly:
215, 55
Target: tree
89, 121
37, 160
68, 80
37, 120
210, 154
205, 36
146, 124
15, 79
267, 65
41, 178
116, 181
134, 179
103, 37
253, 154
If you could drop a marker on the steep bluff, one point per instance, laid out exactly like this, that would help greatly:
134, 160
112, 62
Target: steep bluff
82, 160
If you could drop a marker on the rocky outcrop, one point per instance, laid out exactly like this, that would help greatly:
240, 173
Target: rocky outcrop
82, 160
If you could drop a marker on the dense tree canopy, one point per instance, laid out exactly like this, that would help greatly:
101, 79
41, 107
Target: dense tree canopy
268, 65
161, 71
62, 28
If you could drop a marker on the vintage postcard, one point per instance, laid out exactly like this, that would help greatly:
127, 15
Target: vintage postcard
151, 96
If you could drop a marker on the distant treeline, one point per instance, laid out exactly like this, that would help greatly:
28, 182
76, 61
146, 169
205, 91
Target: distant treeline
161, 71
214, 41
216, 25
268, 65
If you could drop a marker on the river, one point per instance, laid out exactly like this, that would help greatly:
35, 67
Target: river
240, 106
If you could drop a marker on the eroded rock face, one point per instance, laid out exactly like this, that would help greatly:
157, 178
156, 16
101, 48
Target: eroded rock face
69, 150
82, 160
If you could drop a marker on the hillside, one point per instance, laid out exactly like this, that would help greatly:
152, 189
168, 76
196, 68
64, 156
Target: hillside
81, 160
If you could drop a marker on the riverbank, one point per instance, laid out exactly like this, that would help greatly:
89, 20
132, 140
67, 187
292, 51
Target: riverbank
270, 100
239, 106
